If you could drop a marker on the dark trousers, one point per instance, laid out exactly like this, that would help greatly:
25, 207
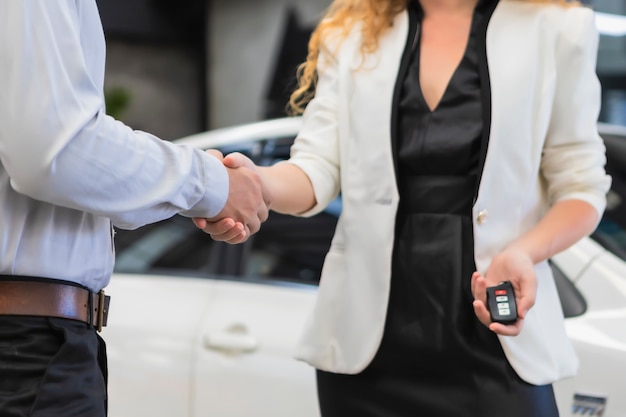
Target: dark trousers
51, 367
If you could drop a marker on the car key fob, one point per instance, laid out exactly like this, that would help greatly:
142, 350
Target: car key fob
501, 303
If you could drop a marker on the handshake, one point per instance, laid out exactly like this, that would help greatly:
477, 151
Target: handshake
248, 204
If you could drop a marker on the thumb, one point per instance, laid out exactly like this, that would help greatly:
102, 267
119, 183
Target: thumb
200, 222
238, 160
215, 153
527, 295
525, 303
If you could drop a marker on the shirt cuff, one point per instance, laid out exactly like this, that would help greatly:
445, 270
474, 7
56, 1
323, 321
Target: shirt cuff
216, 187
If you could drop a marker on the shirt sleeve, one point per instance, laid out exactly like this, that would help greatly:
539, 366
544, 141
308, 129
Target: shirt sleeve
58, 145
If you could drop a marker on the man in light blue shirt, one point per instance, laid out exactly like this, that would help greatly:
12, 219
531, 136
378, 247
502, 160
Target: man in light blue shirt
68, 172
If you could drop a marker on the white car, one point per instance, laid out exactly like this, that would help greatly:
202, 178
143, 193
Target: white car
201, 328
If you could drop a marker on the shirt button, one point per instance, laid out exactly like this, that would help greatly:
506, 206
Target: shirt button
481, 217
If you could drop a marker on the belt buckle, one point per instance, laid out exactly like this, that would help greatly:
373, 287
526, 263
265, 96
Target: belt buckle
102, 310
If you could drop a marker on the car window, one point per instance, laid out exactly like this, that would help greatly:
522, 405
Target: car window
170, 246
573, 303
287, 248
611, 232
291, 248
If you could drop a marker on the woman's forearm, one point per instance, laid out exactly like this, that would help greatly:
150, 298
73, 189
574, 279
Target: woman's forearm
291, 189
563, 225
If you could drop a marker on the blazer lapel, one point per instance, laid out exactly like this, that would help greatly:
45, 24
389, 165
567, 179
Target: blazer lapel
411, 40
485, 86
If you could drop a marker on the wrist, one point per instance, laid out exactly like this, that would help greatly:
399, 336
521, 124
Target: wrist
523, 250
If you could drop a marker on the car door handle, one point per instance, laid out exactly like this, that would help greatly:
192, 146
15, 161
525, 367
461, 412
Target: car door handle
234, 339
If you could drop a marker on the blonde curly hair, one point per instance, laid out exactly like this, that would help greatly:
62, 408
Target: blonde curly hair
376, 16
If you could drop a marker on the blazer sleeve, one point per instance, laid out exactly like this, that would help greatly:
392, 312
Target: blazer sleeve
316, 148
574, 153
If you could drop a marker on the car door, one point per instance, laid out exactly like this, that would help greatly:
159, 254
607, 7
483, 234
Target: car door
152, 329
243, 363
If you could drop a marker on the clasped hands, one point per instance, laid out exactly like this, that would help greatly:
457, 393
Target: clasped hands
248, 203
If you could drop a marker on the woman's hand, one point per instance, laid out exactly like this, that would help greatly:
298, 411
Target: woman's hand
511, 265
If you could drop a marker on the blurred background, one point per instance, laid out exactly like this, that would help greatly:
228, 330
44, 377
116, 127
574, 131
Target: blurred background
178, 68
199, 346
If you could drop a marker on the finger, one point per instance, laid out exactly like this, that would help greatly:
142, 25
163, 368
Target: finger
475, 276
243, 236
240, 238
232, 235
214, 152
480, 289
199, 222
507, 329
218, 227
483, 315
528, 293
480, 309
263, 214
253, 226
523, 305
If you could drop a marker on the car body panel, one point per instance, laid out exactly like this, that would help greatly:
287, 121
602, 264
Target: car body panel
578, 257
599, 337
244, 363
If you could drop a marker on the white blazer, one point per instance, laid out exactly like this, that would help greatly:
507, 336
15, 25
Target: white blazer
543, 147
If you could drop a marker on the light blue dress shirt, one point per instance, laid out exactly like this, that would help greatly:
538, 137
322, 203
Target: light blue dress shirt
67, 170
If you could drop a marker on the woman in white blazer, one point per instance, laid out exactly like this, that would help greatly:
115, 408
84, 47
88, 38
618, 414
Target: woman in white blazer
462, 137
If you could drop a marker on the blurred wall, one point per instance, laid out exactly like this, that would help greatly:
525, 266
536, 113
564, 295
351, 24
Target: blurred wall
612, 50
155, 57
163, 83
244, 38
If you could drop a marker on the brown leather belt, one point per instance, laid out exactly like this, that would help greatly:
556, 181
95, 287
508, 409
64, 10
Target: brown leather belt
53, 299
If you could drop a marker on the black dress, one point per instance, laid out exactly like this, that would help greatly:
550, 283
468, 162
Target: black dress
436, 359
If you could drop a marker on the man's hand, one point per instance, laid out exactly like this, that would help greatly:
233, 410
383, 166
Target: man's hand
510, 265
247, 206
